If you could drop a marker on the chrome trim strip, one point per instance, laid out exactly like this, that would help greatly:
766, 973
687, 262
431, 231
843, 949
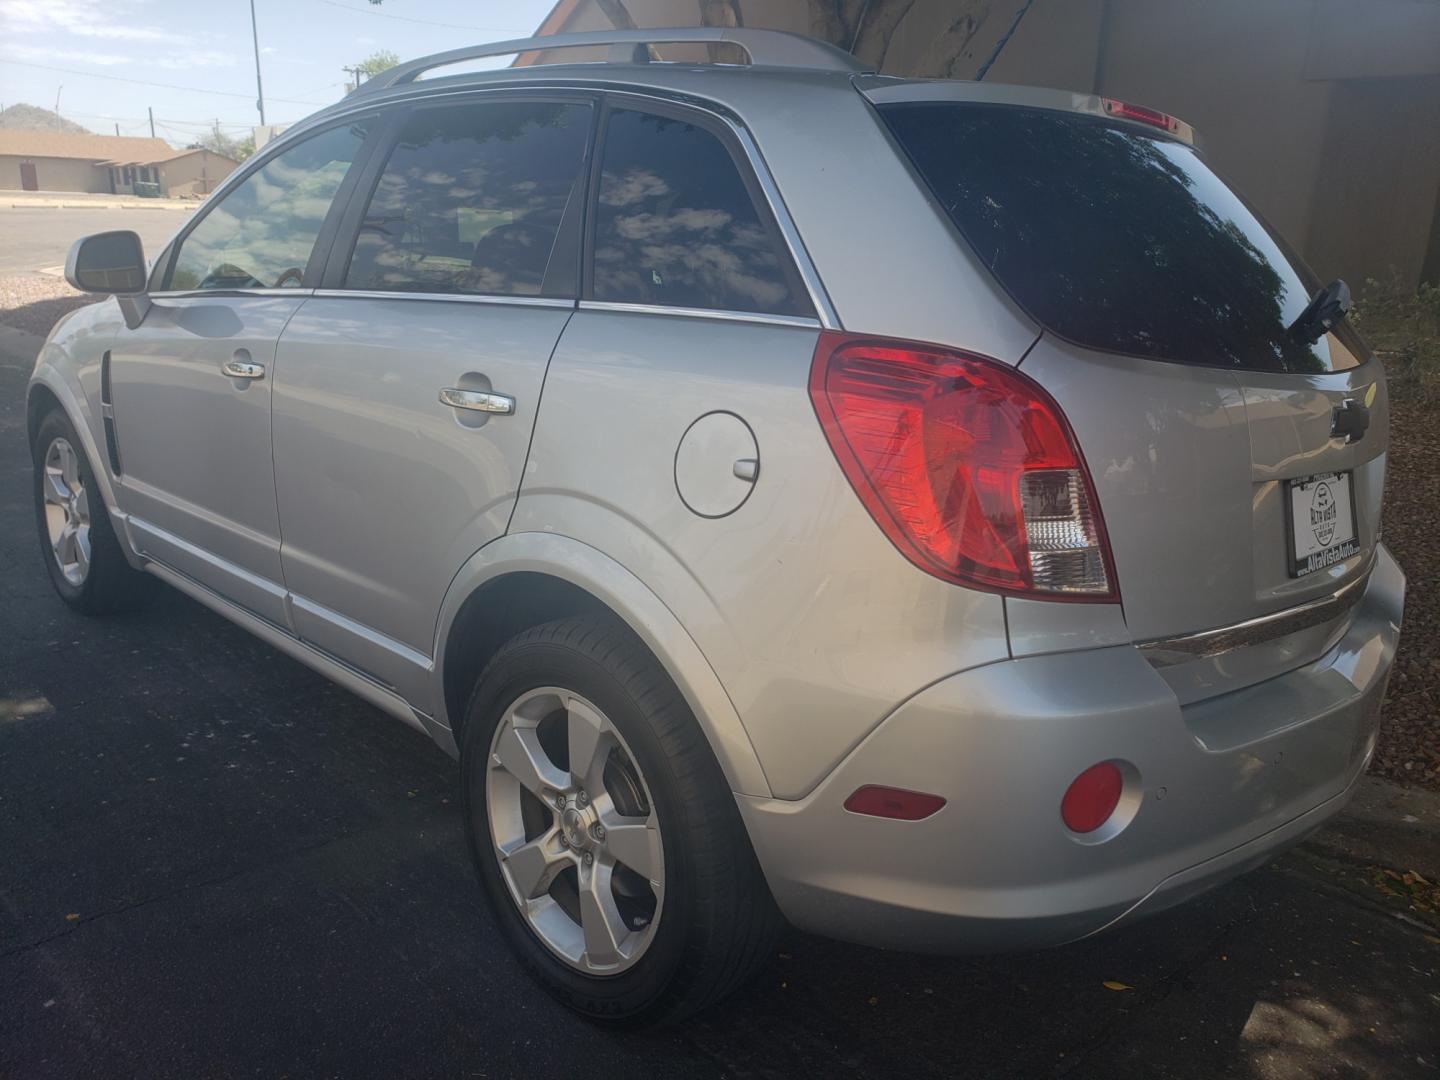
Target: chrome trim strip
702, 313
359, 630
280, 638
255, 581
463, 298
1167, 652
829, 320
211, 294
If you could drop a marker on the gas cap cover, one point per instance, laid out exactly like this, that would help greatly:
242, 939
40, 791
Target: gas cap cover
706, 473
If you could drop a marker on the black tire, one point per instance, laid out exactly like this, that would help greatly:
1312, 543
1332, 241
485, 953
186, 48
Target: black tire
111, 584
719, 924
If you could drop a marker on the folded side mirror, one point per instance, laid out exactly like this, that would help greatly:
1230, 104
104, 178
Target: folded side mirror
111, 263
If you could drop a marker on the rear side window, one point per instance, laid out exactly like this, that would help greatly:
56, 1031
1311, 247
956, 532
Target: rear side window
1109, 237
676, 224
471, 198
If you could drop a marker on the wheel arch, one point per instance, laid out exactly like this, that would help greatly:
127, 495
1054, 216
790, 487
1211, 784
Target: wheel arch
48, 390
523, 579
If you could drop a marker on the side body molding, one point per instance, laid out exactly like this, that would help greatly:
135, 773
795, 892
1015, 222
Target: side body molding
587, 568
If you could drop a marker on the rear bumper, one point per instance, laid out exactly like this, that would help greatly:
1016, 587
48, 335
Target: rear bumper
1215, 788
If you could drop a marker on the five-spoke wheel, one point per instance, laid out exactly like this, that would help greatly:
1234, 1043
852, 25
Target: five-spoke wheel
575, 830
67, 510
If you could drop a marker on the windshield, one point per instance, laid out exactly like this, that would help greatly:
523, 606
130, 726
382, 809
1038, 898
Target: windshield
1112, 238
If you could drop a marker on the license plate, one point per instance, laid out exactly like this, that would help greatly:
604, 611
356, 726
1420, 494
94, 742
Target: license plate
1322, 522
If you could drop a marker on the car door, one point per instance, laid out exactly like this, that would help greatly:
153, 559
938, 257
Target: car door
408, 386
191, 386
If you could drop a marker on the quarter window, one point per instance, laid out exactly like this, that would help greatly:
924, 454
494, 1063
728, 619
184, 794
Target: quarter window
676, 225
471, 199
263, 231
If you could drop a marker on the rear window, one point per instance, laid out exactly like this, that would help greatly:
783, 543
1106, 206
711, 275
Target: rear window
1112, 238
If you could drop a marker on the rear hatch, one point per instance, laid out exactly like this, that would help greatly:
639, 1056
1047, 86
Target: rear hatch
1166, 305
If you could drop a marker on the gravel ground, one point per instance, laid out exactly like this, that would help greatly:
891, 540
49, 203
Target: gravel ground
1409, 746
33, 302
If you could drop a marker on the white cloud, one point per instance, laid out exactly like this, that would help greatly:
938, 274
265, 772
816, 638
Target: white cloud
189, 58
83, 18
70, 56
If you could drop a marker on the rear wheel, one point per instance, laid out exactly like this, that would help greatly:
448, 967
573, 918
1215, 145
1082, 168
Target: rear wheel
77, 541
604, 834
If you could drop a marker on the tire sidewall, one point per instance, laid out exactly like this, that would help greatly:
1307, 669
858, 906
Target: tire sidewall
529, 666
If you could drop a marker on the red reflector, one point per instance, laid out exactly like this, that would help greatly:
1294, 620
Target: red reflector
1092, 798
889, 802
1154, 117
966, 465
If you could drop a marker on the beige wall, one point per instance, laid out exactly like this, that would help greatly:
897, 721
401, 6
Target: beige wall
195, 174
54, 174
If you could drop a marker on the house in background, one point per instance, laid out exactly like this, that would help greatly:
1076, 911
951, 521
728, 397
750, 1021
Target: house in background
1324, 113
180, 173
108, 164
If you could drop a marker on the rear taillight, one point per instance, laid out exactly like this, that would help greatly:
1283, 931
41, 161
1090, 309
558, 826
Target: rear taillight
967, 466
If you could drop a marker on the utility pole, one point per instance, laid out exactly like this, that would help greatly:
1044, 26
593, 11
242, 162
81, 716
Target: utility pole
355, 72
117, 129
151, 110
259, 89
57, 105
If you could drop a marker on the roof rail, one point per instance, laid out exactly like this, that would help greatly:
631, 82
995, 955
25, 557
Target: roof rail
772, 48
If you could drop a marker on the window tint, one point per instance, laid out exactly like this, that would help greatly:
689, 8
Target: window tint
471, 199
1112, 238
675, 224
261, 233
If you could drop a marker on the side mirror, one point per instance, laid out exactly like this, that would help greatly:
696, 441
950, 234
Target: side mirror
111, 263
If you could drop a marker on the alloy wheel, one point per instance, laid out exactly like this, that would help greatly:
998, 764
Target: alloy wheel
67, 511
575, 831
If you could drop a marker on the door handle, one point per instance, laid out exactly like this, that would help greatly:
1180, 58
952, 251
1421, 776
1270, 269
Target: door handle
477, 400
243, 369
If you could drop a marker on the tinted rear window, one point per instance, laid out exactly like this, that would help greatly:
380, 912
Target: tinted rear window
1109, 237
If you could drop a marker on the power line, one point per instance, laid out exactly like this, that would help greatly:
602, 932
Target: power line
424, 22
163, 86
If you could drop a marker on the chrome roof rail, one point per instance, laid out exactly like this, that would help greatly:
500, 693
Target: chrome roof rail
770, 48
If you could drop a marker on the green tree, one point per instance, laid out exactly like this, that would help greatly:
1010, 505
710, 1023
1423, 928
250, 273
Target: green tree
377, 62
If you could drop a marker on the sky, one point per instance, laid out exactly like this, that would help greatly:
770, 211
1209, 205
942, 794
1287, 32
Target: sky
114, 52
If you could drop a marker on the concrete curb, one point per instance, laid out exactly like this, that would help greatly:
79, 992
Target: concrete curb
187, 207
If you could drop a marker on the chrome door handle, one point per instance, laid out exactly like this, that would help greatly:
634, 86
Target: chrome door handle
241, 369
477, 400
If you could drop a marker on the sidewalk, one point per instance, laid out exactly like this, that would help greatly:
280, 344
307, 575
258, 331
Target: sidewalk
88, 200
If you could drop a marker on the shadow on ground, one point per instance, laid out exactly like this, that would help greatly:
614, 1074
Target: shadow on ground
213, 862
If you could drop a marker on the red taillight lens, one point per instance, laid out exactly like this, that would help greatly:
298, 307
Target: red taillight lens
1092, 797
966, 465
877, 801
1154, 117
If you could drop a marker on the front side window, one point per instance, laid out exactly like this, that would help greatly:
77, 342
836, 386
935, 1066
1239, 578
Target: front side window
471, 199
262, 232
676, 225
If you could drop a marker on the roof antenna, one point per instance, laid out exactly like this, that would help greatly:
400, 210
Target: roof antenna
1004, 40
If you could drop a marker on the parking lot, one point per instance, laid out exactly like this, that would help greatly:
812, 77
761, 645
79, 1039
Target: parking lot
215, 863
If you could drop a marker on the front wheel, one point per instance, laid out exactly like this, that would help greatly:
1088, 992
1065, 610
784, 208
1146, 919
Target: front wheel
602, 829
77, 541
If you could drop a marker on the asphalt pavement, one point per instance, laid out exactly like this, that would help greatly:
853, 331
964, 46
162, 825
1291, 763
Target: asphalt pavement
39, 237
215, 863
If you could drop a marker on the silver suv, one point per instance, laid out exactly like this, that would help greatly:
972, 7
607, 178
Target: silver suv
940, 514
